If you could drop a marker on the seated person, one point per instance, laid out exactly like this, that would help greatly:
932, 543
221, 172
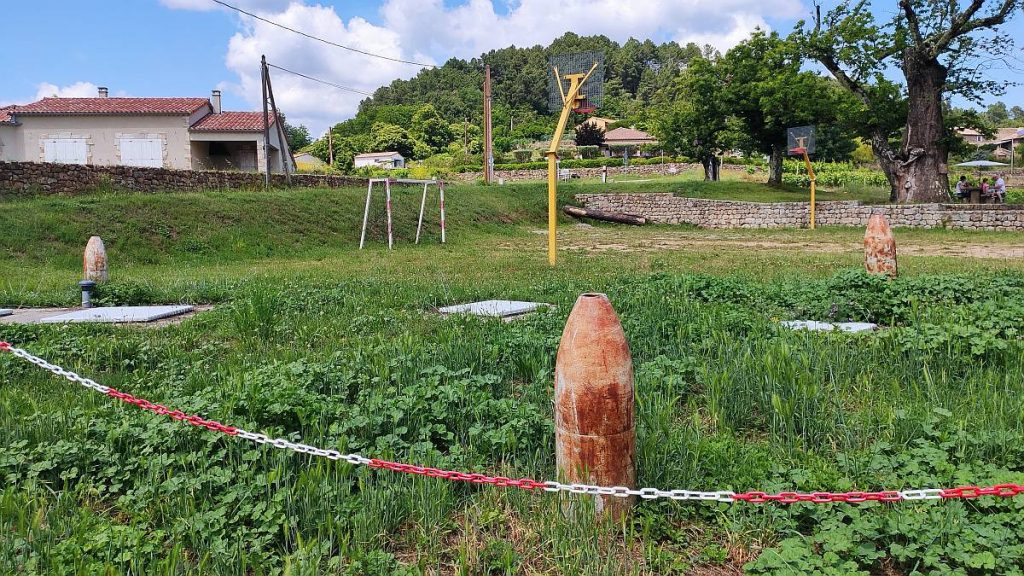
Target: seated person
984, 187
999, 189
961, 188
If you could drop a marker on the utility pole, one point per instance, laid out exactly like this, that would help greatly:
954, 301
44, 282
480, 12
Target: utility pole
283, 151
488, 146
266, 124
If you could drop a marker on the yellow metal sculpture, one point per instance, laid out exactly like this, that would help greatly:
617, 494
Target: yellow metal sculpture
571, 100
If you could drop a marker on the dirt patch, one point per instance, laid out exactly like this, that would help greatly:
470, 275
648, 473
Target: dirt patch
609, 241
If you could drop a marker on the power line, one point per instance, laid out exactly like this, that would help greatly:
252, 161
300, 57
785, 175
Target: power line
318, 39
300, 74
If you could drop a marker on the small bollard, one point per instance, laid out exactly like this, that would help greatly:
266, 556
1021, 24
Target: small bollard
880, 247
595, 413
94, 263
87, 286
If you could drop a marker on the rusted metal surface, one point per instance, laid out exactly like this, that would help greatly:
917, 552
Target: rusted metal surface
95, 261
880, 247
595, 414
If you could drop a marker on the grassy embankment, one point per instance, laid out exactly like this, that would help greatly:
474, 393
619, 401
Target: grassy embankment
319, 341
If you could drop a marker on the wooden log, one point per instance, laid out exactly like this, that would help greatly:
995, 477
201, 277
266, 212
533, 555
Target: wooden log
605, 216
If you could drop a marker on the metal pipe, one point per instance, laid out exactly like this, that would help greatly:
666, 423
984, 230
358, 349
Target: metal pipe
87, 286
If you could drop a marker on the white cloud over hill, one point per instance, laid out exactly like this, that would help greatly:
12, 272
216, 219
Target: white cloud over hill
429, 31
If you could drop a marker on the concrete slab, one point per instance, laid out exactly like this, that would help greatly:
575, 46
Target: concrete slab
815, 326
495, 308
857, 327
812, 325
118, 314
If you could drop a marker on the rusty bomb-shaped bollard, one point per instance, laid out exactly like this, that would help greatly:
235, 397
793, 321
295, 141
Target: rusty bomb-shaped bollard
94, 263
879, 247
595, 413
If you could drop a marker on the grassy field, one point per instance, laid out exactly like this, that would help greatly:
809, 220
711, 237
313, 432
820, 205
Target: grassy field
313, 339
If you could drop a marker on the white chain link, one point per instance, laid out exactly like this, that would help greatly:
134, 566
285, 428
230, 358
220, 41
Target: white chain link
549, 486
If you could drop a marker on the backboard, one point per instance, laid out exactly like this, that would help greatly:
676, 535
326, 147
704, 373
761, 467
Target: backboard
800, 139
578, 63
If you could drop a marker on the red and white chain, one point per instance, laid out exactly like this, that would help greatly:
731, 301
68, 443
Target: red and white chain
963, 492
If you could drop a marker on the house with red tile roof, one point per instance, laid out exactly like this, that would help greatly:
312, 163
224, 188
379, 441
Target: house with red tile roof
626, 141
180, 133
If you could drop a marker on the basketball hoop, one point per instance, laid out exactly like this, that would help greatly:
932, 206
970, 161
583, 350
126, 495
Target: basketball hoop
585, 109
798, 151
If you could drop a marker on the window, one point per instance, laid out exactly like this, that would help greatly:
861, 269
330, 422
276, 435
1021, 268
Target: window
66, 150
148, 152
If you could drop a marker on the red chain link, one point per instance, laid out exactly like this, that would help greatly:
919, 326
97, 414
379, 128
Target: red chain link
5, 346
819, 497
162, 410
501, 481
971, 492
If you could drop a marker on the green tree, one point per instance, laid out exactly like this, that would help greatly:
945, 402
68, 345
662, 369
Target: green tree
936, 44
766, 92
431, 129
588, 134
695, 124
392, 138
1017, 114
296, 136
833, 143
998, 114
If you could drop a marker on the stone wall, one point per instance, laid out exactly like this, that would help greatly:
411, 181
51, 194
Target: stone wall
42, 178
671, 209
594, 173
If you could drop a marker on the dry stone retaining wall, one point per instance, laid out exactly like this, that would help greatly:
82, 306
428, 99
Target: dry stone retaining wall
44, 178
671, 209
613, 172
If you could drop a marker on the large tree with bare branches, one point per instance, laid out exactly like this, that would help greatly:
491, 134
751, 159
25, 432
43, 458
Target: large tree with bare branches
942, 47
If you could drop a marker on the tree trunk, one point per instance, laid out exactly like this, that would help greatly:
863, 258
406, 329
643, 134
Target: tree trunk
886, 159
712, 165
920, 171
775, 165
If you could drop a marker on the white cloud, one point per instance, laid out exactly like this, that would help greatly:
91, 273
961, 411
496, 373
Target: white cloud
306, 102
76, 90
431, 31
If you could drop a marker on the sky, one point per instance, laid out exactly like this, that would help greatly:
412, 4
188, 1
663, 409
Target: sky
190, 47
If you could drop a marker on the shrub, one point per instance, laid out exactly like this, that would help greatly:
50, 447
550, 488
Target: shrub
522, 155
588, 152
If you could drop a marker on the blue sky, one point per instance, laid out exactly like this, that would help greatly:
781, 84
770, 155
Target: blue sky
188, 47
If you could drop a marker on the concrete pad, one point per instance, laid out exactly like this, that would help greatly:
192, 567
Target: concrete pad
856, 327
495, 308
118, 314
812, 325
6, 311
815, 326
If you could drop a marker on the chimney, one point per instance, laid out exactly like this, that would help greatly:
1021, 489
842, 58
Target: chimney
215, 101
103, 92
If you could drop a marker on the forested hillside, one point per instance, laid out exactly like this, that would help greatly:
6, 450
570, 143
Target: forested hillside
440, 110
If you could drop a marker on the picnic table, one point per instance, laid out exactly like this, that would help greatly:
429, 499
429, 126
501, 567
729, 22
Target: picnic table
974, 195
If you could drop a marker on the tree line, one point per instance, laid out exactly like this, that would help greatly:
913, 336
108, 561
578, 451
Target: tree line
883, 80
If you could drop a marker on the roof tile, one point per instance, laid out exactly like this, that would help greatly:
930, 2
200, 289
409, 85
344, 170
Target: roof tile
627, 134
5, 114
231, 122
112, 106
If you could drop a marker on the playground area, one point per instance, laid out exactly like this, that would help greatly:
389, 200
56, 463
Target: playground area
302, 336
